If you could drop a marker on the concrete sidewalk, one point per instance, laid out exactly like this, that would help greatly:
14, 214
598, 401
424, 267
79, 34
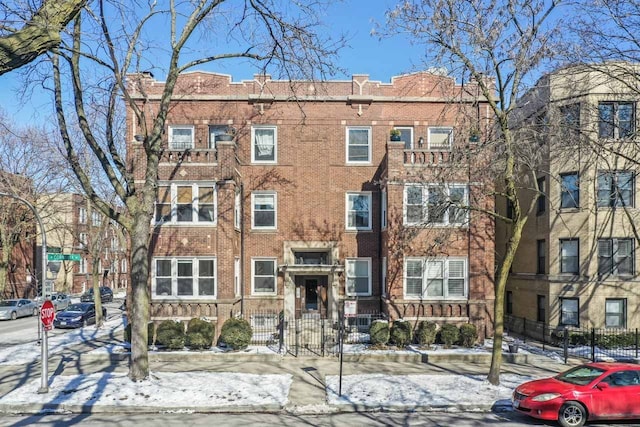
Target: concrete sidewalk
307, 394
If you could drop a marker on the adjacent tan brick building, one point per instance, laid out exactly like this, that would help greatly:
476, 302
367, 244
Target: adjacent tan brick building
310, 203
577, 263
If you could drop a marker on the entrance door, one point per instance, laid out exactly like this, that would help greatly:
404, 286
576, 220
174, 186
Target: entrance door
311, 295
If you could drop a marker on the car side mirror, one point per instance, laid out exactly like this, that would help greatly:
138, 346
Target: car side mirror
602, 385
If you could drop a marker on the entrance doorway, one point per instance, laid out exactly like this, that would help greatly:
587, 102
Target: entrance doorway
311, 296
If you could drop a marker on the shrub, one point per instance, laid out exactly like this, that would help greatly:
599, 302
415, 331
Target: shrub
170, 334
199, 334
468, 334
150, 331
379, 332
401, 333
426, 333
236, 333
449, 335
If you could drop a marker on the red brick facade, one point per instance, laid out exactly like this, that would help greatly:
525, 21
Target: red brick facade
312, 177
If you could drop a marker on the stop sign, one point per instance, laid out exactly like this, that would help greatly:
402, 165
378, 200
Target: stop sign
47, 313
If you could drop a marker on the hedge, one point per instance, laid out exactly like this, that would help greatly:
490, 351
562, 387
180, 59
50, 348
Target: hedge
236, 333
170, 334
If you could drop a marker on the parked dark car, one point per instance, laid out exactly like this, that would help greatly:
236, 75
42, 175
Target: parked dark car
106, 295
77, 315
593, 391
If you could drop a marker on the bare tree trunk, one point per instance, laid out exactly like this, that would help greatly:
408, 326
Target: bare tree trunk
140, 298
97, 296
498, 308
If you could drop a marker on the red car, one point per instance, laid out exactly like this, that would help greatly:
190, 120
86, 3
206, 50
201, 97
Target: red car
593, 391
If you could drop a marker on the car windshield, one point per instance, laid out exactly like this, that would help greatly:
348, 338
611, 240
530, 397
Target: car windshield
8, 303
580, 375
76, 307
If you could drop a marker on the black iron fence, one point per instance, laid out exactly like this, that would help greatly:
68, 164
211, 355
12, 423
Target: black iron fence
594, 344
310, 334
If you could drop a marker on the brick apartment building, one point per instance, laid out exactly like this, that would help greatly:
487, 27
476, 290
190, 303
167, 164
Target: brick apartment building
74, 227
290, 196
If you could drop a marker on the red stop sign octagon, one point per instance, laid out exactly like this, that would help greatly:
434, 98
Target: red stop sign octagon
47, 313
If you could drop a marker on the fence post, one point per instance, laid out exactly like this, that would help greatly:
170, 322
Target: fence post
297, 335
281, 331
593, 344
544, 335
636, 343
322, 340
524, 329
565, 338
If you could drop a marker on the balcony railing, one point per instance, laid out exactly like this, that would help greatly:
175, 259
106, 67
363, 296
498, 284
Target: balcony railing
424, 156
196, 155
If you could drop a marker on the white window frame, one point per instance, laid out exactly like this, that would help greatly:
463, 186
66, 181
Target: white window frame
275, 144
383, 210
253, 276
275, 210
348, 210
445, 278
82, 265
430, 144
96, 218
369, 145
425, 208
182, 127
195, 261
411, 142
195, 187
123, 265
83, 239
82, 215
214, 131
383, 291
349, 261
237, 211
236, 276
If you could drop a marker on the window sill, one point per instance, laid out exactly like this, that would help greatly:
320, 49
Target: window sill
185, 224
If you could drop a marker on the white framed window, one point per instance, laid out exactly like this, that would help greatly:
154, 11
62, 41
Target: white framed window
358, 211
384, 277
440, 138
82, 215
264, 210
96, 218
615, 313
181, 137
383, 210
263, 276
123, 265
436, 204
186, 203
82, 266
237, 211
358, 144
406, 136
358, 272
214, 132
264, 144
82, 239
184, 278
435, 278
236, 276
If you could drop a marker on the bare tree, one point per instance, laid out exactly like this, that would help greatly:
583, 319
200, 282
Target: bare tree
39, 32
101, 63
499, 46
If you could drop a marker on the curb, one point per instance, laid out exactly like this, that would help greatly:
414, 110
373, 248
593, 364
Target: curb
36, 409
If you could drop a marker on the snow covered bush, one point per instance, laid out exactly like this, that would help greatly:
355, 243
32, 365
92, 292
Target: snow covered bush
449, 334
379, 332
170, 335
426, 333
401, 334
236, 333
199, 334
468, 334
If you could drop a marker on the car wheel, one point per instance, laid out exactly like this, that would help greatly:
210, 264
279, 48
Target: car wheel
35, 311
14, 315
572, 414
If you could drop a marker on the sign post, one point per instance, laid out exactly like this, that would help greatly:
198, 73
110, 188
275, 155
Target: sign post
349, 309
47, 313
